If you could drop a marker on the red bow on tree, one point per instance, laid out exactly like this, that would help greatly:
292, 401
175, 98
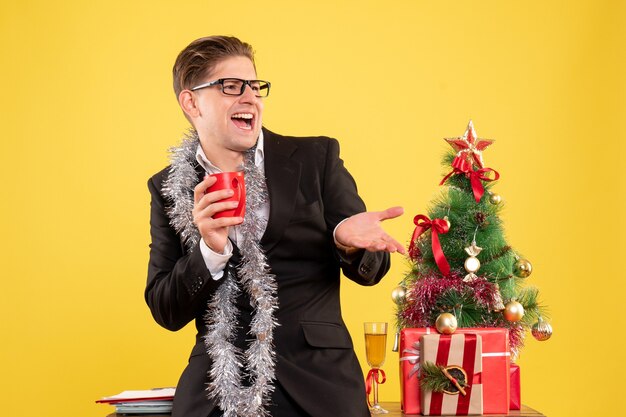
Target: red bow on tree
423, 223
462, 166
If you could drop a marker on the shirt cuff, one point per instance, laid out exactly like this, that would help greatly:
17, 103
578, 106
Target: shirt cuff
216, 262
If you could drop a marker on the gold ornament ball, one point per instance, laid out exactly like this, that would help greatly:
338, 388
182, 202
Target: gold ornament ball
541, 330
513, 311
522, 268
446, 323
398, 294
472, 264
495, 199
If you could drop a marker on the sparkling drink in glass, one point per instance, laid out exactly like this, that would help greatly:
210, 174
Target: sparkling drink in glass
375, 346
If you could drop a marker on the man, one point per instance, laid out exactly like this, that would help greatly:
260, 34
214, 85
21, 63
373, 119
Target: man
264, 289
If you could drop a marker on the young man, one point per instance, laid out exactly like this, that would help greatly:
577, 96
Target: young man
264, 289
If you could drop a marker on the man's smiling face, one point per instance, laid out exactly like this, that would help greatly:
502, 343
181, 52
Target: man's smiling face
226, 122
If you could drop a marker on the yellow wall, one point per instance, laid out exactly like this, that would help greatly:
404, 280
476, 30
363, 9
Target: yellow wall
87, 114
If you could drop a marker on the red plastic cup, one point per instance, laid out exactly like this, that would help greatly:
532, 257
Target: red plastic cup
235, 182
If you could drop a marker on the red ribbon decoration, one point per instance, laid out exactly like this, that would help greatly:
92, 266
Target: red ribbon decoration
373, 375
423, 223
461, 166
469, 358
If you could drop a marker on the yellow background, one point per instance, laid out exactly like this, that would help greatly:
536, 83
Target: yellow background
87, 114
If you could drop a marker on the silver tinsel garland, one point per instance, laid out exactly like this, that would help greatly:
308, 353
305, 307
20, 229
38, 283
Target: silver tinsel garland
229, 363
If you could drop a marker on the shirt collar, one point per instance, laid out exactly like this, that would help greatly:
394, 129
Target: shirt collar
259, 156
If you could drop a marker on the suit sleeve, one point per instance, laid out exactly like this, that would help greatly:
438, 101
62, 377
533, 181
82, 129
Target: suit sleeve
341, 200
179, 282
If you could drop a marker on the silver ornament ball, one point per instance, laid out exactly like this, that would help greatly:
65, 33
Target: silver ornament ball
398, 294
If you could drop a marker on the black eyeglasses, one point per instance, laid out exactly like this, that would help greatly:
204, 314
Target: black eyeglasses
237, 86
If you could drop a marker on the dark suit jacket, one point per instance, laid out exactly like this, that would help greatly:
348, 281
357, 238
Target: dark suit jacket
310, 192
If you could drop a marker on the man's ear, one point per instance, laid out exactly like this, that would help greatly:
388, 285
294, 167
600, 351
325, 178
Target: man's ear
187, 102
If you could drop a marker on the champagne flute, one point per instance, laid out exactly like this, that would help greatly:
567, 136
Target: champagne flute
375, 346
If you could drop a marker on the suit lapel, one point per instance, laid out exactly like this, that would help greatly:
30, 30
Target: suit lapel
283, 177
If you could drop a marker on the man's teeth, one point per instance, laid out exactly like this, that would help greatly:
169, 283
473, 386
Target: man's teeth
247, 117
242, 116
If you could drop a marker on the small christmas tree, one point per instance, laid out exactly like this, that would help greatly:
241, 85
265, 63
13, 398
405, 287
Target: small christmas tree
460, 261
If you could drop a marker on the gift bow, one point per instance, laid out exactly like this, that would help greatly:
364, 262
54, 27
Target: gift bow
413, 358
423, 223
373, 375
462, 166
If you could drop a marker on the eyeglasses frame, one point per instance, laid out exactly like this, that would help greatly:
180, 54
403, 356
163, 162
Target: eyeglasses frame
220, 81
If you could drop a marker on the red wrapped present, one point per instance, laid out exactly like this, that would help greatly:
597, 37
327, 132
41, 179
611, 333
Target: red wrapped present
516, 392
458, 360
496, 361
409, 367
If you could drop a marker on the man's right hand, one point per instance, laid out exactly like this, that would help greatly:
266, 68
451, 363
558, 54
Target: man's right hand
214, 232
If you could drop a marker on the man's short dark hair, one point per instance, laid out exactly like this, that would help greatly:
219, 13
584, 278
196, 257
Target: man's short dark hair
201, 56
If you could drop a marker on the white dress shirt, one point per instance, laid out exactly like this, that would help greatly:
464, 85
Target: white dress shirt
216, 262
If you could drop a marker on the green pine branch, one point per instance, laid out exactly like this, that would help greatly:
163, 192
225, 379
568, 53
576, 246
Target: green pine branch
433, 379
464, 306
528, 297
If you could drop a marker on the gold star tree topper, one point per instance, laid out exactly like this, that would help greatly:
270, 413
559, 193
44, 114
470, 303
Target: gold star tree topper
469, 146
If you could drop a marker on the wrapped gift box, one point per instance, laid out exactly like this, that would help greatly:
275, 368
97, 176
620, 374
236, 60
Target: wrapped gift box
460, 350
516, 392
496, 373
